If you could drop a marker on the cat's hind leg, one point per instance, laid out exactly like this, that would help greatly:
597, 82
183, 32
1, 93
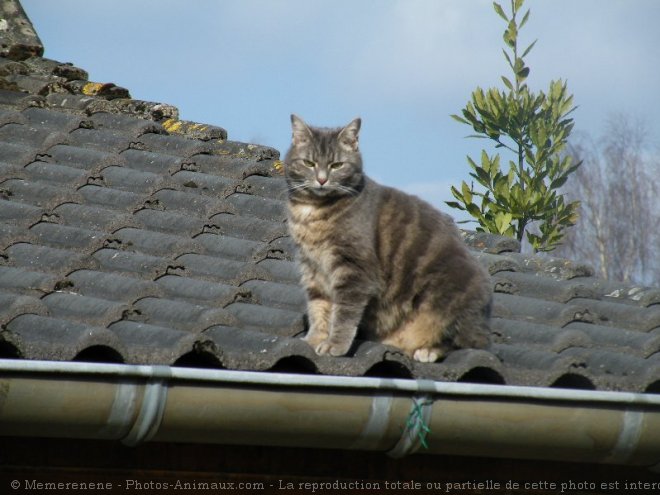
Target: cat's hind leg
428, 354
420, 337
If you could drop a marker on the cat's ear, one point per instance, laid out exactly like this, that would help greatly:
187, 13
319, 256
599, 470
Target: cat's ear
301, 133
349, 135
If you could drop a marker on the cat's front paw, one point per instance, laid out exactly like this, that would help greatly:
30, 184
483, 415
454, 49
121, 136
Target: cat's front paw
331, 348
315, 338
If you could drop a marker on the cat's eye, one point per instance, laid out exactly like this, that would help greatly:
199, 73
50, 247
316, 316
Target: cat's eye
336, 165
309, 163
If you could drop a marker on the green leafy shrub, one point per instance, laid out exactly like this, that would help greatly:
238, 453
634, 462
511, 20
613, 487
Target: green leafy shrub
535, 129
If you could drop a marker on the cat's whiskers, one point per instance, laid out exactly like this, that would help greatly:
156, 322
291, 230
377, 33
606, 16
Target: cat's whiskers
302, 185
350, 190
299, 186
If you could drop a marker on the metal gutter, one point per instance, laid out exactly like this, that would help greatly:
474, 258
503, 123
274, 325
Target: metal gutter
297, 380
137, 403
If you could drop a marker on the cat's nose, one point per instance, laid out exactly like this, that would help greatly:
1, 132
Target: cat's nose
321, 180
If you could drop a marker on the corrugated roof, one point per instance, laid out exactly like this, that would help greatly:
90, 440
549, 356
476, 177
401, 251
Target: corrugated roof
127, 235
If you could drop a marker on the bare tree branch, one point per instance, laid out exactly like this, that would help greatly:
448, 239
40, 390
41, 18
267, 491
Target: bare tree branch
619, 227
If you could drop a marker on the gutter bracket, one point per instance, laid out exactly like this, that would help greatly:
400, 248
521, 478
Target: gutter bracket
629, 436
422, 405
152, 408
374, 431
120, 419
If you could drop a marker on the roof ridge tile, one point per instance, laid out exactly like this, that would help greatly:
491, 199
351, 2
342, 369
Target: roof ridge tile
19, 39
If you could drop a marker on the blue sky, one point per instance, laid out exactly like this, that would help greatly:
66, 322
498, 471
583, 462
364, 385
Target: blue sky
402, 65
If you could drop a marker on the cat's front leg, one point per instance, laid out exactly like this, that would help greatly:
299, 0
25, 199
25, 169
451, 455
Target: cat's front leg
318, 313
344, 321
353, 286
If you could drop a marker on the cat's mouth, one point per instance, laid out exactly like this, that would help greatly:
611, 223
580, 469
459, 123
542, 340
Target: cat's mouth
322, 190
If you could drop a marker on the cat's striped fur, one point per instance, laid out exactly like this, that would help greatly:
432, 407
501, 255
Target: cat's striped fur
376, 258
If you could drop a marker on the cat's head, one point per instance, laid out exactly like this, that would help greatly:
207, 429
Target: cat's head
323, 163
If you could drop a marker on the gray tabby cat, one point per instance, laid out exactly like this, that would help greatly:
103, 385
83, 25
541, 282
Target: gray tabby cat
375, 258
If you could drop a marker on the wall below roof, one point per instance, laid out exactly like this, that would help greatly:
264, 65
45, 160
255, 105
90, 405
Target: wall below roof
46, 460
